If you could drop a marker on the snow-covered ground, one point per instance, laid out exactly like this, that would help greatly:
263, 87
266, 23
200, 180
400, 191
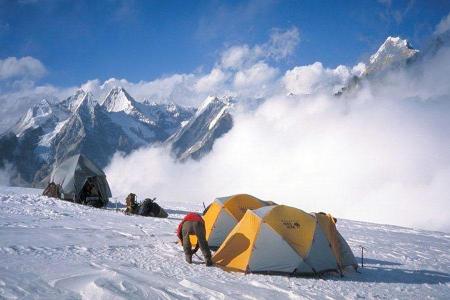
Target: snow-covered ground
58, 250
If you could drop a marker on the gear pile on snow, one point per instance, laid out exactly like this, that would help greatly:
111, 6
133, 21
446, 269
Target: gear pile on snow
148, 208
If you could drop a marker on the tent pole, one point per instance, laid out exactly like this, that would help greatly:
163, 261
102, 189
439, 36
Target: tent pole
362, 256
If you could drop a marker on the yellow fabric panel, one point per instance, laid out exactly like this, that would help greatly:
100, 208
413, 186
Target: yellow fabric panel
326, 223
210, 217
294, 225
237, 205
236, 250
193, 239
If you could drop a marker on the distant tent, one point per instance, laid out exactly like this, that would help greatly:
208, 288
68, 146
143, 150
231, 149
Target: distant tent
283, 239
75, 175
224, 213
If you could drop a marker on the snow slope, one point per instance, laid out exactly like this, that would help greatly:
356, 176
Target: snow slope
58, 250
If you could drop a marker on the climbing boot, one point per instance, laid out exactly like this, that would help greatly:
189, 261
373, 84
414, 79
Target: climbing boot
188, 258
209, 262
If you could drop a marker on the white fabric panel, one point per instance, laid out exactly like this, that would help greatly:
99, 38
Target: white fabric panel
223, 226
321, 257
222, 200
272, 253
262, 211
348, 259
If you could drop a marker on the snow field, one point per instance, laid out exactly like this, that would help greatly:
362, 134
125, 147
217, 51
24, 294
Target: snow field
53, 249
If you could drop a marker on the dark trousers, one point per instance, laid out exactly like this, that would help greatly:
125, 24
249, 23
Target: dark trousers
197, 228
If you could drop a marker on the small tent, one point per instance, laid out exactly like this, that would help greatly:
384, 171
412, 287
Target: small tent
74, 174
283, 239
224, 213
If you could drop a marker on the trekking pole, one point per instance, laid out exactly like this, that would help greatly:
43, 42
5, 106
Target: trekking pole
199, 257
116, 206
362, 256
204, 207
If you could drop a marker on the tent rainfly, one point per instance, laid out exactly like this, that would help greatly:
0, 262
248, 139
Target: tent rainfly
224, 213
72, 175
283, 239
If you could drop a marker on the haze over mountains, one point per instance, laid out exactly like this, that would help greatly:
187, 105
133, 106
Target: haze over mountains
51, 131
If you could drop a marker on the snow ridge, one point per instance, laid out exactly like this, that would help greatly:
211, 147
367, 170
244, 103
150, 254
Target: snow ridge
211, 121
119, 100
392, 52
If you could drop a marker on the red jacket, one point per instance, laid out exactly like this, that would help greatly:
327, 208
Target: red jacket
193, 217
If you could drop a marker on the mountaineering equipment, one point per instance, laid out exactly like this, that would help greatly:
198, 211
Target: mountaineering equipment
149, 208
362, 256
224, 213
284, 239
52, 190
132, 206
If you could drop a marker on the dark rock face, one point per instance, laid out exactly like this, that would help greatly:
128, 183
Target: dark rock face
197, 137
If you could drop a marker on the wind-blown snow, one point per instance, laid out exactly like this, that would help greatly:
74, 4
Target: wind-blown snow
54, 249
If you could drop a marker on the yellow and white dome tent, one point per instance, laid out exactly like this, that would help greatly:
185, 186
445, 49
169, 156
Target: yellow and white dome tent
283, 239
224, 213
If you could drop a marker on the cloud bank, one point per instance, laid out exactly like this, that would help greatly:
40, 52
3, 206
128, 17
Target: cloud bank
23, 67
378, 154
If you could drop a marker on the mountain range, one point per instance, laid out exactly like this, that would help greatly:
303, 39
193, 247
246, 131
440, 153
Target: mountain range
51, 131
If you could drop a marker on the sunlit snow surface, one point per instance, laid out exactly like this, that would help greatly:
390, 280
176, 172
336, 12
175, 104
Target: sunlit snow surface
53, 249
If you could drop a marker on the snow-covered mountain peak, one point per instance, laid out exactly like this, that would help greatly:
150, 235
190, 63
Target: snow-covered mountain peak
73, 102
393, 51
118, 100
34, 117
214, 101
211, 121
87, 100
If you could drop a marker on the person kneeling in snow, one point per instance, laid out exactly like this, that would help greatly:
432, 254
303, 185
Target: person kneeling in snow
193, 224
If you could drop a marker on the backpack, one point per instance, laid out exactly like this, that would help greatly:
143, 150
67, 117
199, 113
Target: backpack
132, 206
52, 190
151, 209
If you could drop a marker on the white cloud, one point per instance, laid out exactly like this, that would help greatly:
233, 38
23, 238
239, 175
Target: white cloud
240, 68
443, 26
256, 76
27, 67
359, 69
305, 80
211, 82
282, 43
235, 56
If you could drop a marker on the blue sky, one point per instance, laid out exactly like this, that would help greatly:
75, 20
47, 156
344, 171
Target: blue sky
143, 40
